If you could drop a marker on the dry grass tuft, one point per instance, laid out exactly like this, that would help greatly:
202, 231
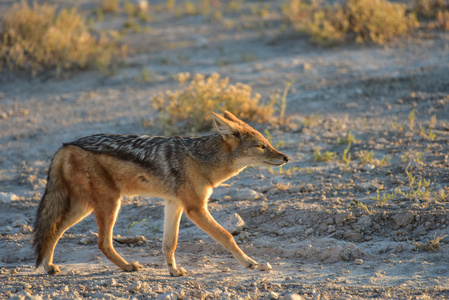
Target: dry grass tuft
433, 245
369, 20
36, 38
188, 109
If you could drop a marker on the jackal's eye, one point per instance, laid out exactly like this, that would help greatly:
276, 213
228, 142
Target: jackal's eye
262, 147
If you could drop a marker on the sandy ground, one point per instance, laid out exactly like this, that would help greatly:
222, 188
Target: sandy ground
306, 219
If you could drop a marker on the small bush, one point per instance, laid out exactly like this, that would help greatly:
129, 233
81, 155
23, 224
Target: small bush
430, 8
188, 109
35, 38
110, 6
370, 20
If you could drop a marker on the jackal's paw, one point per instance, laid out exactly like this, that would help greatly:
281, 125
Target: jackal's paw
52, 269
132, 267
178, 272
251, 264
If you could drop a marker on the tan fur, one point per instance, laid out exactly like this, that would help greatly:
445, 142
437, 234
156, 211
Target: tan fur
82, 181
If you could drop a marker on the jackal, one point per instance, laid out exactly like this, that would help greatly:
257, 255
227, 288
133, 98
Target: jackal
91, 173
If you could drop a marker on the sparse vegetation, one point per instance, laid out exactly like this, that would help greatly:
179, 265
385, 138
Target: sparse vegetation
433, 245
348, 139
323, 157
190, 106
369, 20
363, 206
346, 157
39, 37
383, 198
366, 157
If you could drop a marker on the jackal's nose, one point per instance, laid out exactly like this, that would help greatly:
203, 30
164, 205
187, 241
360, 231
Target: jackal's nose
285, 159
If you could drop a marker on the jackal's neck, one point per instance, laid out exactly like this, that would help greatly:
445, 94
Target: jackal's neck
214, 157
211, 149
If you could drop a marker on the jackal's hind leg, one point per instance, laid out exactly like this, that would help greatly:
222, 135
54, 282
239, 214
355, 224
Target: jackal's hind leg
172, 217
106, 216
77, 212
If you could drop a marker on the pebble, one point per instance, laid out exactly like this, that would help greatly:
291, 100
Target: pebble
135, 287
168, 296
233, 223
110, 282
309, 231
265, 267
8, 197
25, 229
292, 296
19, 223
358, 261
403, 219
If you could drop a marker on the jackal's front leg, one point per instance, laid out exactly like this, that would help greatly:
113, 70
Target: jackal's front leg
173, 213
204, 220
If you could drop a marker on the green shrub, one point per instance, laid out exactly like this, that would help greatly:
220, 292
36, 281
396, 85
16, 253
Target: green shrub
35, 38
188, 109
369, 20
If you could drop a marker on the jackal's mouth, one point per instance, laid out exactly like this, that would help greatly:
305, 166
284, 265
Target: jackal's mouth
274, 164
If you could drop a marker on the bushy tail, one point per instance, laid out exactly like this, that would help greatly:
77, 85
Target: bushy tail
52, 210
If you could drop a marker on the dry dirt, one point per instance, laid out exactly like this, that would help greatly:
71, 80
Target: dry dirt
306, 219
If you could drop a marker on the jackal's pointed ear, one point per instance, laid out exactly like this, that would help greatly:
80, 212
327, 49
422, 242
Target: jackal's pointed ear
225, 127
232, 118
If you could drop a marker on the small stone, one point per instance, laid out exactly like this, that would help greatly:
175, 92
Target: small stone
307, 188
403, 219
135, 286
110, 282
292, 296
309, 231
168, 296
364, 221
19, 222
234, 224
358, 261
265, 267
25, 229
273, 295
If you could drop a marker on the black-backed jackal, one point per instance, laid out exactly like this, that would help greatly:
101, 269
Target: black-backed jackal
91, 173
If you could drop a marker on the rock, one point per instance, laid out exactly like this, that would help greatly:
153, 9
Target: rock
309, 231
25, 229
354, 236
306, 188
273, 295
365, 221
351, 251
110, 282
342, 217
168, 296
234, 224
8, 197
330, 254
20, 222
358, 261
403, 219
135, 286
292, 296
246, 194
265, 267
24, 295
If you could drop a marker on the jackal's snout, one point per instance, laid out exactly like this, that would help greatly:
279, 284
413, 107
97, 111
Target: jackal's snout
277, 158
